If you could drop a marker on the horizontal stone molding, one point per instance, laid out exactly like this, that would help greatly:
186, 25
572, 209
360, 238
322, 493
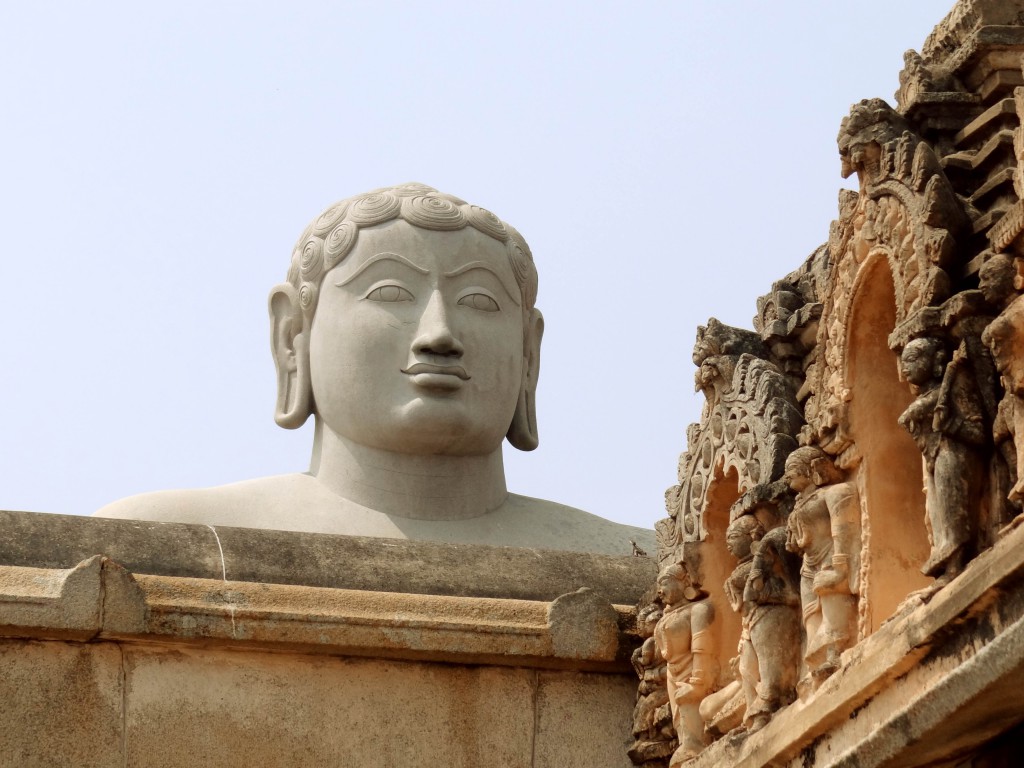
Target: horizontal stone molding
37, 540
100, 600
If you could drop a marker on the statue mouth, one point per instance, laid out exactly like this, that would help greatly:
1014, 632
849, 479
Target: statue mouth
446, 370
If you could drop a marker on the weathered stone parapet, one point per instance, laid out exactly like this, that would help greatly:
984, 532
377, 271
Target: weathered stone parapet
100, 600
318, 560
194, 657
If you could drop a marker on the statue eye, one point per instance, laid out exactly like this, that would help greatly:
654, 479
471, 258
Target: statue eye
480, 301
389, 293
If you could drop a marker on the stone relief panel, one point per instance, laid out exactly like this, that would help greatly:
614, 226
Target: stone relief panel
747, 429
907, 213
893, 358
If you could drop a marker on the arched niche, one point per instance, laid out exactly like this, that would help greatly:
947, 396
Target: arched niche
716, 562
894, 539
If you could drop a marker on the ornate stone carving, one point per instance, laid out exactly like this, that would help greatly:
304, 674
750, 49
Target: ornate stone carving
685, 638
749, 422
770, 643
905, 213
893, 353
787, 318
653, 732
947, 423
1005, 338
824, 527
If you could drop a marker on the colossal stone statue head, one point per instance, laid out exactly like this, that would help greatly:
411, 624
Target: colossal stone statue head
358, 244
407, 329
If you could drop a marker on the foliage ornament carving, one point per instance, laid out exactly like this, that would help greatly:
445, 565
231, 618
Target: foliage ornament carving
748, 427
905, 213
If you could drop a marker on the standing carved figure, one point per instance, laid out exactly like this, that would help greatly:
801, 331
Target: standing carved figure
739, 539
1005, 339
947, 424
654, 740
771, 627
684, 637
824, 528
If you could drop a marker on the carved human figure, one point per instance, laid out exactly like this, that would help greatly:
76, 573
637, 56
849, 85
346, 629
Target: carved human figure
824, 528
947, 424
996, 278
654, 738
407, 329
769, 650
1004, 337
685, 638
739, 538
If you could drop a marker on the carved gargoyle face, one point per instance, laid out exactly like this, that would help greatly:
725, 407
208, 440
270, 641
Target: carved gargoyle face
417, 345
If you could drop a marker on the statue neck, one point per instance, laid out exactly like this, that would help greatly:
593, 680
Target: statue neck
408, 485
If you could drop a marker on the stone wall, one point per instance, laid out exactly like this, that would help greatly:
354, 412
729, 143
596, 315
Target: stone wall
234, 647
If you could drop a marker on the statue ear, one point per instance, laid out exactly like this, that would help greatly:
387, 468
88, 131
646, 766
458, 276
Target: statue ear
522, 432
290, 346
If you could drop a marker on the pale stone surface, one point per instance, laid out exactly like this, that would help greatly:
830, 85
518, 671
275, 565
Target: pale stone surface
63, 542
60, 705
176, 670
241, 709
407, 328
568, 734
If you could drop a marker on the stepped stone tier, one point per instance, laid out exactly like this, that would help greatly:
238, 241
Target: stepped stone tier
847, 512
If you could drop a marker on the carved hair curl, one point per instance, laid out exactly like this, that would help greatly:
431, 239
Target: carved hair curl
331, 236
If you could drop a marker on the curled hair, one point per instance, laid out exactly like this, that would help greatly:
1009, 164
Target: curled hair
329, 238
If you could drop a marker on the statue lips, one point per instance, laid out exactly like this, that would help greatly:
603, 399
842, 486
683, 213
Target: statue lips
438, 377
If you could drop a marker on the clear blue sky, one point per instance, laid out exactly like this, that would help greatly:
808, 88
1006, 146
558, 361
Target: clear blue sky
666, 161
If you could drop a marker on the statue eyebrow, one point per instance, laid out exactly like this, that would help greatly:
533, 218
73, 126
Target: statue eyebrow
385, 256
513, 294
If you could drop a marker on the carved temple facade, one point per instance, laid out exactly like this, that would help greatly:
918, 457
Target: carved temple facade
848, 506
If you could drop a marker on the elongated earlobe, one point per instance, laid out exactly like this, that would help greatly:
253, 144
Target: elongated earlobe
290, 347
522, 433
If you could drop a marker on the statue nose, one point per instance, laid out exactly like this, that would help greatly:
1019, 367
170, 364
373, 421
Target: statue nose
436, 336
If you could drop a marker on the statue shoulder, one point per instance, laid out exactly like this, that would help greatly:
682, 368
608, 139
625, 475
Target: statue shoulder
236, 504
550, 525
840, 493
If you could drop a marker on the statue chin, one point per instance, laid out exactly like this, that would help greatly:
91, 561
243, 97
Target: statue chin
407, 329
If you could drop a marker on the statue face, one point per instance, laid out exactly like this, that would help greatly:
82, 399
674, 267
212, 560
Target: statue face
995, 279
738, 542
797, 475
916, 363
672, 587
417, 342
